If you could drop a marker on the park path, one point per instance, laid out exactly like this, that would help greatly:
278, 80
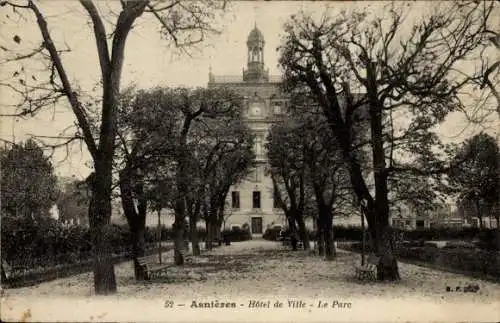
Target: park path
262, 266
266, 270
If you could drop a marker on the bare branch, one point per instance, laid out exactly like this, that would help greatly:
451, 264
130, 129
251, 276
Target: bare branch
100, 36
72, 97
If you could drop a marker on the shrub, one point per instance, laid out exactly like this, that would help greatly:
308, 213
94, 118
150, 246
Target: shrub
442, 233
466, 259
272, 233
488, 240
482, 262
46, 242
237, 234
459, 244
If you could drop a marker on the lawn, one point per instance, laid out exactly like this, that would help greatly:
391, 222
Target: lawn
268, 274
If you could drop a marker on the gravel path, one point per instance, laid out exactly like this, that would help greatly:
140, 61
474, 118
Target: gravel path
264, 270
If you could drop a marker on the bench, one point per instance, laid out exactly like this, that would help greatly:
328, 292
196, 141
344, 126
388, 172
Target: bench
369, 270
287, 241
300, 244
152, 270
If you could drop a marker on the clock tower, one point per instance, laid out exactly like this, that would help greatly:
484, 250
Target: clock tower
255, 71
251, 201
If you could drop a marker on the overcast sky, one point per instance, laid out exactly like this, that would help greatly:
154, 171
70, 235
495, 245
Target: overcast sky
151, 61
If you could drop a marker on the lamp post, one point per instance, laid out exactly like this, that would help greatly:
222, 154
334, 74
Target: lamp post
359, 202
364, 234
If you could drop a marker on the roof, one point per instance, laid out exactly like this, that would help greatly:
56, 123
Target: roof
255, 36
239, 79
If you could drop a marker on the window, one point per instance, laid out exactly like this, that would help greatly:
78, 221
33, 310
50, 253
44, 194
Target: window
235, 199
258, 174
277, 109
256, 200
252, 176
255, 175
258, 146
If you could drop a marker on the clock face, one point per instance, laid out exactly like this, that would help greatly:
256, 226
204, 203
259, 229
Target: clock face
255, 109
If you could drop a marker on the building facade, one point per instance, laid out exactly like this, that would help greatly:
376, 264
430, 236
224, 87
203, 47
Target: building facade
251, 202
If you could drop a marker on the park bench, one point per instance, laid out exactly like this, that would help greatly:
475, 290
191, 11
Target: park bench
369, 269
152, 269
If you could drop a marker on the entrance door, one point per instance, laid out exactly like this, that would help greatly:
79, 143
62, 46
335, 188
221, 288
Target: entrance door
256, 225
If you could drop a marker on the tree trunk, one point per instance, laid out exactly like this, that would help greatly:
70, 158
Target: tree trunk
209, 239
194, 235
320, 238
292, 228
330, 251
216, 229
294, 235
211, 225
179, 247
220, 218
387, 268
138, 243
479, 214
100, 228
303, 232
179, 225
220, 221
4, 275
135, 219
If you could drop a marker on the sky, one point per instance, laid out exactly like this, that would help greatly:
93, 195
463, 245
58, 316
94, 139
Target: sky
152, 61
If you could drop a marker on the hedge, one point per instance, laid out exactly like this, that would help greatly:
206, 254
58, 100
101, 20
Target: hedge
47, 243
482, 262
340, 233
237, 234
486, 237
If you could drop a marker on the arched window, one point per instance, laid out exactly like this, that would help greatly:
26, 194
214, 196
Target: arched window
258, 146
255, 55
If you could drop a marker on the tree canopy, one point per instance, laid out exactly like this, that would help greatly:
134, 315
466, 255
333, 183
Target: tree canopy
29, 185
476, 177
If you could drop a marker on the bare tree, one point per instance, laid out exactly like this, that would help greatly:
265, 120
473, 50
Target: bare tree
328, 178
401, 68
223, 156
483, 107
184, 23
286, 153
